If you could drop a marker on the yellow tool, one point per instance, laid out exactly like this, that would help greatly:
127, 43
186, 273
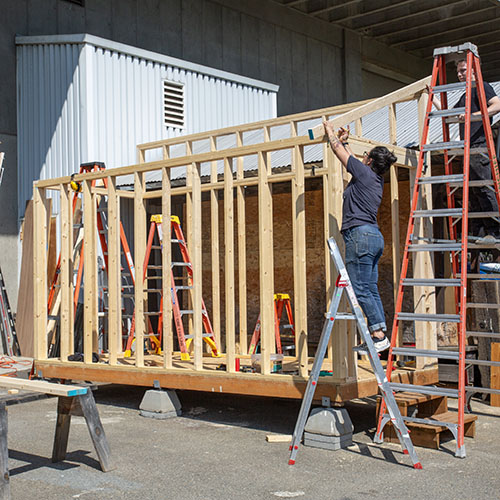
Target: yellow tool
75, 185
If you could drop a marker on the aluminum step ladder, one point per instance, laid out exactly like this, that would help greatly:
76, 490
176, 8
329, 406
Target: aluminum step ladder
344, 284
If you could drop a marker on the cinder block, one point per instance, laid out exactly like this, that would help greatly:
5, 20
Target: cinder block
327, 442
160, 404
329, 422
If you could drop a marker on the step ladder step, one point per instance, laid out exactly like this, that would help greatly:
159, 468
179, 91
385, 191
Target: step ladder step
484, 390
439, 212
151, 266
424, 389
435, 247
483, 334
405, 316
478, 305
442, 179
442, 113
473, 118
183, 287
431, 282
208, 335
181, 264
430, 421
347, 316
449, 87
411, 351
482, 362
441, 146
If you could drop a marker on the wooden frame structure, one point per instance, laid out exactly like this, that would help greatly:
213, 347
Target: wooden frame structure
211, 177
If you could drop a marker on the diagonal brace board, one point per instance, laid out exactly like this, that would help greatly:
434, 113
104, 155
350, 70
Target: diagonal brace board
406, 93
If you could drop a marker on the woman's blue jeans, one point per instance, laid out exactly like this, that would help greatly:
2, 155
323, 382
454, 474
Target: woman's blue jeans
363, 248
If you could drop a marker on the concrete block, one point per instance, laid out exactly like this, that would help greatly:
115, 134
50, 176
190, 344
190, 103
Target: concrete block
160, 404
329, 422
327, 442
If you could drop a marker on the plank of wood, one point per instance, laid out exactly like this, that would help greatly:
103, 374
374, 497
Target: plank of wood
42, 386
278, 438
409, 92
62, 428
495, 374
24, 317
96, 430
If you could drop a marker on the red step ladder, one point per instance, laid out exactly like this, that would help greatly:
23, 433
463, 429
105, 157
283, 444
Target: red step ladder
183, 339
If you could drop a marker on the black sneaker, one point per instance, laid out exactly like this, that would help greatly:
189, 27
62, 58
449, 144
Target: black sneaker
379, 344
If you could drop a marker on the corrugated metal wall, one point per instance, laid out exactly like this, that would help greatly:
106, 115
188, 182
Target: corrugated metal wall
80, 102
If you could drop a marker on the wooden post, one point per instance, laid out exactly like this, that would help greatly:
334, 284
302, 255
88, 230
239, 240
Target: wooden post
66, 273
396, 254
495, 373
242, 252
166, 210
214, 238
4, 453
196, 261
114, 270
423, 262
90, 319
229, 263
139, 254
266, 264
40, 274
299, 259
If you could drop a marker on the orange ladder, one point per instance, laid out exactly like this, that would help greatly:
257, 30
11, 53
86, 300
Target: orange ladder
183, 339
281, 301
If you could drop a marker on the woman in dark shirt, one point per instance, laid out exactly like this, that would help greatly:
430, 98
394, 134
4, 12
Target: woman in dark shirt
364, 242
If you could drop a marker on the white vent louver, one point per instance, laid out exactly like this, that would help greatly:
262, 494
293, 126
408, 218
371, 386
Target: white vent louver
173, 104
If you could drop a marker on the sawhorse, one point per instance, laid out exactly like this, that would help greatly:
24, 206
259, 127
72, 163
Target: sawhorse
72, 400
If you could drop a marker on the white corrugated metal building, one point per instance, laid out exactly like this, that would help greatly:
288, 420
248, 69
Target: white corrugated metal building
82, 98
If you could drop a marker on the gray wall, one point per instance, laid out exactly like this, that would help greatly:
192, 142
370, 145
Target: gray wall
315, 63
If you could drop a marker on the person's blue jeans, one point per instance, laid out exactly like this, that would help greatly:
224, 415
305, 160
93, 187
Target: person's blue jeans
363, 248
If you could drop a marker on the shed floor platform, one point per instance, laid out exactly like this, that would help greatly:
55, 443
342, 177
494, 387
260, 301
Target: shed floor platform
211, 379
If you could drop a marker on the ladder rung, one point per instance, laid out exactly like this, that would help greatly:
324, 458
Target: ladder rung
183, 287
482, 362
186, 311
156, 247
439, 146
442, 179
154, 267
203, 335
485, 390
404, 316
424, 389
441, 113
186, 264
440, 212
153, 313
182, 242
430, 421
473, 118
483, 215
431, 282
435, 247
52, 317
482, 305
410, 351
483, 334
345, 316
152, 290
449, 87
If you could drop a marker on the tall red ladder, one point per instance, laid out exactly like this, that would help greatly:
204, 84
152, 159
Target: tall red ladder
183, 339
458, 248
281, 302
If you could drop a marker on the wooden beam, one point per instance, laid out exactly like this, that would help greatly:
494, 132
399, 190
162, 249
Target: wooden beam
266, 264
242, 251
40, 274
166, 273
229, 264
394, 183
114, 274
409, 92
139, 255
90, 292
196, 263
299, 259
42, 386
214, 247
66, 274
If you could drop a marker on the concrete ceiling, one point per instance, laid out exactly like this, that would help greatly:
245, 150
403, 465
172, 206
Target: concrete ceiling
416, 26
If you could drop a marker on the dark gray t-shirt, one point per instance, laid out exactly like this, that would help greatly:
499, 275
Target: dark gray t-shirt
362, 196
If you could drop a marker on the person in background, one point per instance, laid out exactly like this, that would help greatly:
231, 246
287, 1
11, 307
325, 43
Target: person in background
364, 242
481, 198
